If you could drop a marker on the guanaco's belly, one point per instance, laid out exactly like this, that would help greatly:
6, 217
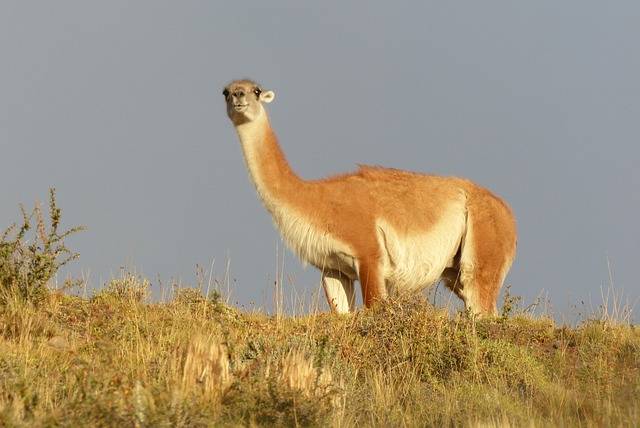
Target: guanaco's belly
414, 262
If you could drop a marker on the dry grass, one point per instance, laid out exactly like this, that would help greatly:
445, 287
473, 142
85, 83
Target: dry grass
112, 360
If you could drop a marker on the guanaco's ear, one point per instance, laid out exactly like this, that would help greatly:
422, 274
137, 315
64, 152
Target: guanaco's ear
267, 96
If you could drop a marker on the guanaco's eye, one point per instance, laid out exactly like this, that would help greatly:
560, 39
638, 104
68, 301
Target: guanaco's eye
257, 91
225, 93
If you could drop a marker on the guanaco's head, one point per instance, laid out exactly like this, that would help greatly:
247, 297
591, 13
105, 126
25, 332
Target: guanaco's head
244, 100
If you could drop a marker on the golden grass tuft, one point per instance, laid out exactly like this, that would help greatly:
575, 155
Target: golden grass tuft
205, 368
298, 374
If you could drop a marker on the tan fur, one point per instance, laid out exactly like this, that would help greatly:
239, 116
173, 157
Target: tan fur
394, 231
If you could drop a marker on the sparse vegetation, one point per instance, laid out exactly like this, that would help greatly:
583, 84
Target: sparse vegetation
26, 266
114, 360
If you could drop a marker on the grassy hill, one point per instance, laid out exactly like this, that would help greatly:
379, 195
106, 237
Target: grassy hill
113, 360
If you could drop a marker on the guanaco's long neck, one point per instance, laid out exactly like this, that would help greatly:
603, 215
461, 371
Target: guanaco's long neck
274, 179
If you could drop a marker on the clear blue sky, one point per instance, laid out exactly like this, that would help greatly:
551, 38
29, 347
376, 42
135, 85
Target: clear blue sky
118, 105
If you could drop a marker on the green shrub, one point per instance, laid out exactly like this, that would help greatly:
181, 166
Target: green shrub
128, 287
26, 266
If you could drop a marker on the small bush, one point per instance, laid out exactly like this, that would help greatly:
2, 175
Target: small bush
128, 287
26, 266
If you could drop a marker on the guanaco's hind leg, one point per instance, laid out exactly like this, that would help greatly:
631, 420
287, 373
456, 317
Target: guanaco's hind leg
486, 255
478, 292
451, 278
340, 291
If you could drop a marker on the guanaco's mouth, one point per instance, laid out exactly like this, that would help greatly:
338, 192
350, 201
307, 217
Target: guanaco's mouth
240, 107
